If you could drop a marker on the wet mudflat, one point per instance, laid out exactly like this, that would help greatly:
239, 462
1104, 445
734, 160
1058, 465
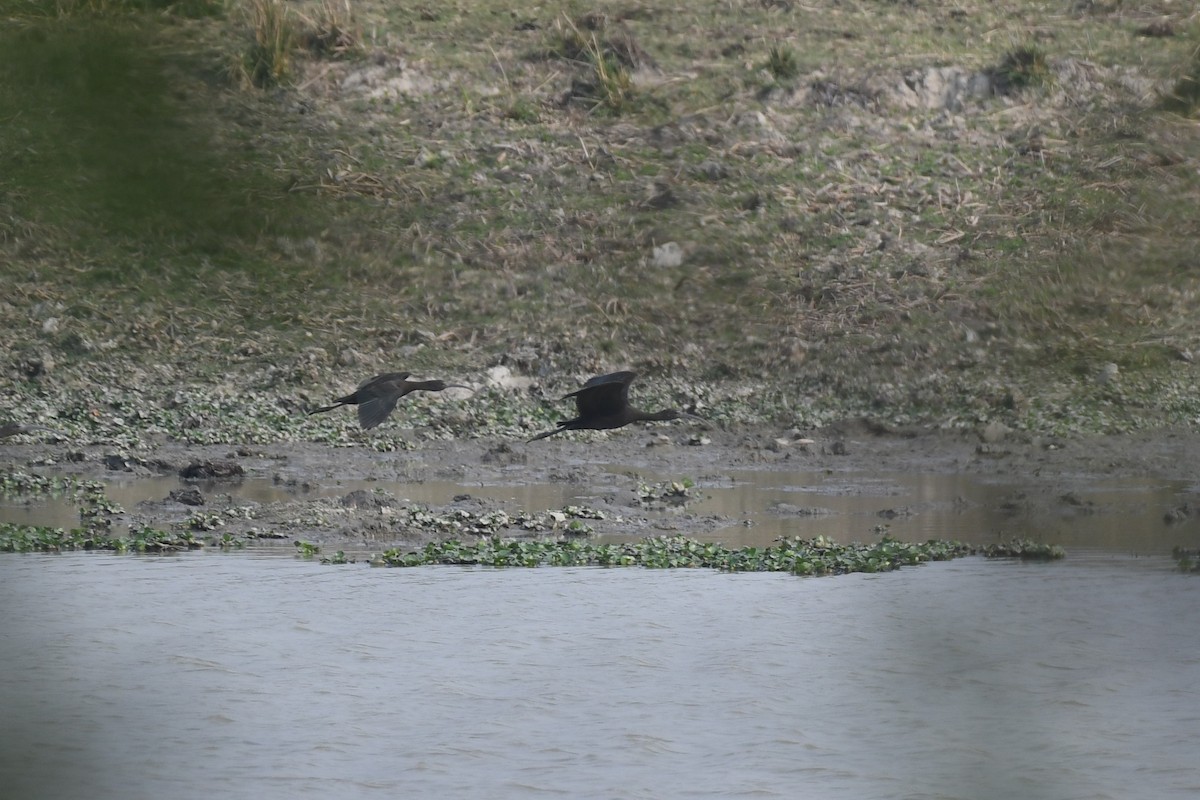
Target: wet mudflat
741, 508
1127, 496
247, 676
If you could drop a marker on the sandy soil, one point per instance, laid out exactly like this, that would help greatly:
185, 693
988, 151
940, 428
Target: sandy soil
298, 503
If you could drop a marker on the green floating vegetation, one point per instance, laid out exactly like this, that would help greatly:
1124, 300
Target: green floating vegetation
306, 549
14, 483
1188, 560
143, 539
311, 550
96, 510
818, 556
1025, 549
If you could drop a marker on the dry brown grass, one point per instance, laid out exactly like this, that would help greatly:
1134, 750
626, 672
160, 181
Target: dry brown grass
836, 238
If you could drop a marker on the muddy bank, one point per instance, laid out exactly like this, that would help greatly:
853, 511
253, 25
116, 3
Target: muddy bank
629, 483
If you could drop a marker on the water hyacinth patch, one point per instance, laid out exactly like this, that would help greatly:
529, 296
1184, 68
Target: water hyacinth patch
306, 549
96, 510
141, 539
1188, 560
16, 483
1024, 549
818, 556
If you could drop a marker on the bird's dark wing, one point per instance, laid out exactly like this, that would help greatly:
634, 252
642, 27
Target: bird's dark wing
625, 377
385, 378
603, 395
375, 410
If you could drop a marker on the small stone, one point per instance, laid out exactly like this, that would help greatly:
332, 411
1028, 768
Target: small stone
668, 255
994, 432
188, 497
713, 170
114, 461
503, 377
503, 455
362, 499
1177, 514
38, 366
212, 469
660, 195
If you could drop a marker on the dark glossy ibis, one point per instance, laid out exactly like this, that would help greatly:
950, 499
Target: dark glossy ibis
376, 397
603, 403
14, 428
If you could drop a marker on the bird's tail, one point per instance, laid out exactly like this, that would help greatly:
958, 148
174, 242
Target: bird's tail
562, 426
326, 408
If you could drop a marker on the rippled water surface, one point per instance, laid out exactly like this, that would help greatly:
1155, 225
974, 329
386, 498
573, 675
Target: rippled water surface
212, 675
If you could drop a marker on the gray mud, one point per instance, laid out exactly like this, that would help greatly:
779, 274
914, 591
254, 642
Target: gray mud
351, 497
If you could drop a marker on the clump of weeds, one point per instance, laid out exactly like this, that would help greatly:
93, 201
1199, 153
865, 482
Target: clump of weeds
268, 61
332, 31
782, 63
1022, 68
609, 84
1184, 97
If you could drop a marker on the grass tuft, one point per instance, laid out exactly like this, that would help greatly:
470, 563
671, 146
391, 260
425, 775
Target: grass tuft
1184, 97
782, 63
608, 85
332, 31
1023, 68
268, 61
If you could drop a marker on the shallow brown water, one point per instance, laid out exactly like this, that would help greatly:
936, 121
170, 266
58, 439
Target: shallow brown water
754, 508
240, 676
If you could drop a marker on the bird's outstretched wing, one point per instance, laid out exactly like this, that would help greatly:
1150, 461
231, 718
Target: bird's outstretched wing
375, 410
603, 395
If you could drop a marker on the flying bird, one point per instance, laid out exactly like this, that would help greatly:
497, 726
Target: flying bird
376, 397
603, 403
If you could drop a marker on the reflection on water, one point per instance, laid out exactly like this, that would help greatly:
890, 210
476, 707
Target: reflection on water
758, 507
209, 675
1123, 516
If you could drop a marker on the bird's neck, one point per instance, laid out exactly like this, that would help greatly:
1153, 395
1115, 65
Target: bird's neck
654, 416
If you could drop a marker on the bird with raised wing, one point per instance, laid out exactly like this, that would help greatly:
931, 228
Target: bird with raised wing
603, 403
376, 397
